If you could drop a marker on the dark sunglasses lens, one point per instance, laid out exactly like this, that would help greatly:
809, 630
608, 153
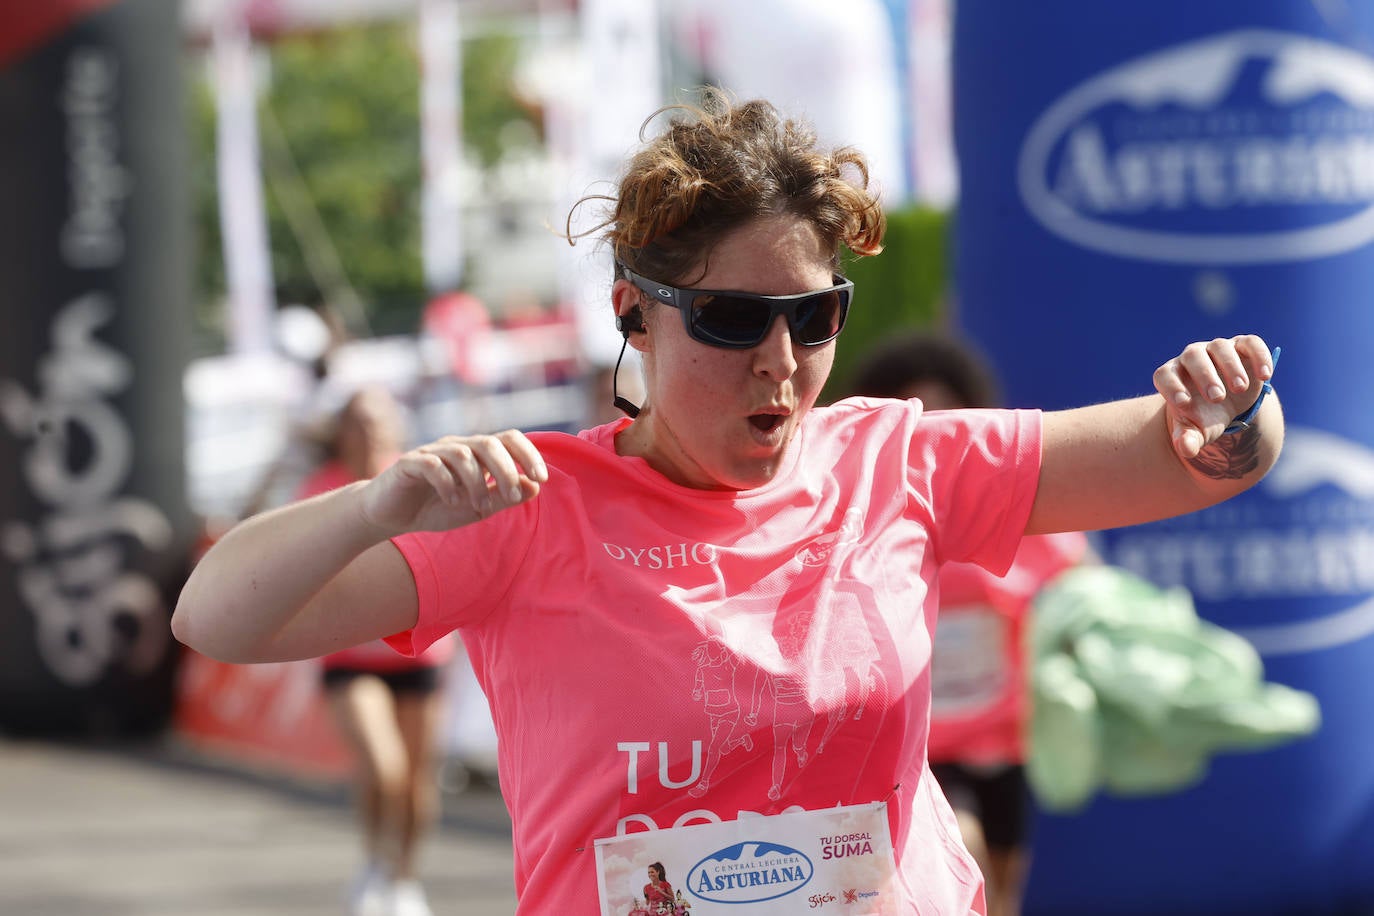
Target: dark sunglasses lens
731, 321
819, 317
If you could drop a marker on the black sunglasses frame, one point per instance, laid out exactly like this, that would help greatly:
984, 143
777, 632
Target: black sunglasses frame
683, 300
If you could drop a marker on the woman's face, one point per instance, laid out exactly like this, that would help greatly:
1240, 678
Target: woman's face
721, 419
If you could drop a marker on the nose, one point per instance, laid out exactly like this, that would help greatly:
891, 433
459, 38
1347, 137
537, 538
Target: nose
775, 357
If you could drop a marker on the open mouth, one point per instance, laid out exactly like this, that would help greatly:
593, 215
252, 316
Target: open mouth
766, 422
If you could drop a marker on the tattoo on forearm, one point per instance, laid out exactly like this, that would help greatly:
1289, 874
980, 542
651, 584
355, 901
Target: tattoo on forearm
1230, 457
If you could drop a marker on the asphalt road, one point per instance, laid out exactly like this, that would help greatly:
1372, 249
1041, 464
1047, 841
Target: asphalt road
155, 830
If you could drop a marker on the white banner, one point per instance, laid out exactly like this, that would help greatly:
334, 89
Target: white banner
593, 116
441, 73
932, 143
243, 216
834, 64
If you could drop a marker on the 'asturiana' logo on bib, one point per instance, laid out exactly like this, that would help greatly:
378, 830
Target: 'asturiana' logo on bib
750, 872
1252, 146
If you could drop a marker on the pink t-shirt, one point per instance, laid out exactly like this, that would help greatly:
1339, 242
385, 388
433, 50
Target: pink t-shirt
656, 655
978, 672
375, 656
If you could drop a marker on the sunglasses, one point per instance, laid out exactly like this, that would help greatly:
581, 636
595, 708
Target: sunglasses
737, 321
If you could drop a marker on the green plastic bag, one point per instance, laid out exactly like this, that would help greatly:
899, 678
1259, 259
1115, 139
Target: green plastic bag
1133, 694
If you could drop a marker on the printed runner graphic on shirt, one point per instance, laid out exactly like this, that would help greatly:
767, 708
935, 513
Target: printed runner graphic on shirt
783, 672
823, 660
716, 687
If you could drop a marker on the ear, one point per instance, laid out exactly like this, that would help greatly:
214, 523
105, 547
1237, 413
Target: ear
629, 314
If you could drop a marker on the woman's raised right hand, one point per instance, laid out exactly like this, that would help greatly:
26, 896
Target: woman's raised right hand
452, 482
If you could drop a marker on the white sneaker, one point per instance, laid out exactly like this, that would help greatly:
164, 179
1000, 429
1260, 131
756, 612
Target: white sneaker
369, 894
408, 899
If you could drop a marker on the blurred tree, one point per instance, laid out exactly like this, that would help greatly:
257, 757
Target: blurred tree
495, 118
339, 127
340, 122
903, 287
207, 247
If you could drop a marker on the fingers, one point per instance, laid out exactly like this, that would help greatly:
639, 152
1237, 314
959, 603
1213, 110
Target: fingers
1216, 370
503, 458
483, 473
1209, 383
1188, 440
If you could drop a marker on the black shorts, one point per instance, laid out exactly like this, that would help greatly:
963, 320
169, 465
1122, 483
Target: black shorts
406, 680
998, 796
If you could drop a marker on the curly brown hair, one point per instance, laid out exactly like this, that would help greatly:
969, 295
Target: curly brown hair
720, 165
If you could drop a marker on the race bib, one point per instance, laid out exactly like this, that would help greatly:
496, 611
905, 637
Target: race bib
781, 864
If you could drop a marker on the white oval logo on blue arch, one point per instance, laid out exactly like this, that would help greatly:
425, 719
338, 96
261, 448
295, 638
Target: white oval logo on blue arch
1252, 146
750, 872
1289, 568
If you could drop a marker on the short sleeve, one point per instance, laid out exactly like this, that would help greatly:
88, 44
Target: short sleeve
976, 472
461, 576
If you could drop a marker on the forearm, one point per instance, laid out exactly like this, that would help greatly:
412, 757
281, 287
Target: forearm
265, 571
320, 575
1112, 465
